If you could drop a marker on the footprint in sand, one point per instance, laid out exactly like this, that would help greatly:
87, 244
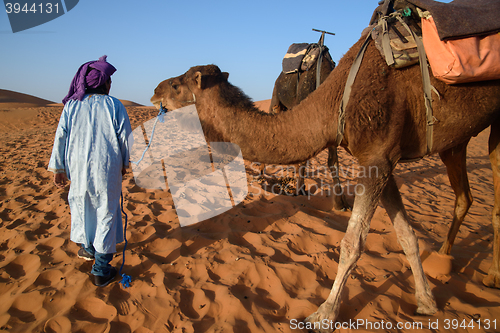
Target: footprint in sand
194, 303
50, 278
122, 301
15, 240
141, 234
28, 307
4, 319
53, 243
92, 315
436, 265
23, 265
58, 324
25, 247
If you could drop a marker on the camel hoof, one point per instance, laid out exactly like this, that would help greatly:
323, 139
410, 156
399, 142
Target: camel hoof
340, 208
343, 208
321, 321
340, 204
426, 310
492, 281
445, 249
302, 191
315, 324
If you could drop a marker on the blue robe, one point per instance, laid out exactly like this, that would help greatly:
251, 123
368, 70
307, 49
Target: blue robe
91, 146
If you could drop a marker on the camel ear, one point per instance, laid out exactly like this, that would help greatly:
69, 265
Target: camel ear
197, 77
205, 80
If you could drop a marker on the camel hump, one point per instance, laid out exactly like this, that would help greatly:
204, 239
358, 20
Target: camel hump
481, 16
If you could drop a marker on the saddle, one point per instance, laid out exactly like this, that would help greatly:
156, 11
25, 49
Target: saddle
396, 36
399, 12
399, 25
463, 18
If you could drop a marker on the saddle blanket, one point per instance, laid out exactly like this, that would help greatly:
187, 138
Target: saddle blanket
463, 18
294, 56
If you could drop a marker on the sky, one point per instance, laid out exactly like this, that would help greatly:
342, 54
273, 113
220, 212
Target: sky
153, 40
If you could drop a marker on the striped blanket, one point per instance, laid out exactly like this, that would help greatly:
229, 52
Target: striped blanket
293, 57
300, 57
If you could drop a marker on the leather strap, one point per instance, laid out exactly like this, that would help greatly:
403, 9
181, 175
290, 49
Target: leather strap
426, 81
318, 67
386, 41
347, 89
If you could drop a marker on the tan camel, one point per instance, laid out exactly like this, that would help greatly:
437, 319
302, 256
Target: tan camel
289, 90
385, 124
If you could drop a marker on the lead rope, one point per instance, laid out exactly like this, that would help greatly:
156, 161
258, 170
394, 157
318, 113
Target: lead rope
160, 118
126, 279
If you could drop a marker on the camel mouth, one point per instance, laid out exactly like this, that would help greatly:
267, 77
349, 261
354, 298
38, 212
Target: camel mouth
157, 105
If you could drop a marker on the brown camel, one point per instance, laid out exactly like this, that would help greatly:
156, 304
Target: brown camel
289, 90
385, 123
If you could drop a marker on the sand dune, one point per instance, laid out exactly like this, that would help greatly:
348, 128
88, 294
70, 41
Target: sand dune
11, 99
127, 103
14, 100
263, 105
256, 268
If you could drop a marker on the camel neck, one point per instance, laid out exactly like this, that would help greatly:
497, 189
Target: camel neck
288, 137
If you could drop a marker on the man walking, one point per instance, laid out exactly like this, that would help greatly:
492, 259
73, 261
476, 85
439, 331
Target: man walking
91, 149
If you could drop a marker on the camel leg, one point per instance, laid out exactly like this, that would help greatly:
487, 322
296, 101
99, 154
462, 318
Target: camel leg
276, 106
262, 169
493, 278
455, 161
367, 197
393, 204
274, 101
300, 175
339, 200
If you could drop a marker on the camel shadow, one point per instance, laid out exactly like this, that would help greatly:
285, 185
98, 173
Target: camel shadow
410, 172
255, 216
220, 227
234, 224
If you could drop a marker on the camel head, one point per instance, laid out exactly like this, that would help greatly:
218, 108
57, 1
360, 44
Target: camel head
182, 90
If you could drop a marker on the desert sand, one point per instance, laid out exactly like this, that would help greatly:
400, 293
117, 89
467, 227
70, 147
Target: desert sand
263, 266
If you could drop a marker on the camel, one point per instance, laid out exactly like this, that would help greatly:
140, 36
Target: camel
289, 90
385, 124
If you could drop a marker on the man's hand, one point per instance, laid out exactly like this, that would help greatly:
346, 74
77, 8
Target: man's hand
60, 180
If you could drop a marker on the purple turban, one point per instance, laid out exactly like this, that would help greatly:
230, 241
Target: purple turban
98, 73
